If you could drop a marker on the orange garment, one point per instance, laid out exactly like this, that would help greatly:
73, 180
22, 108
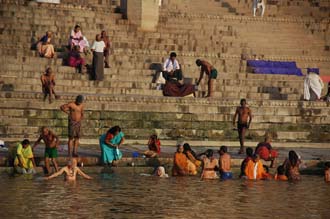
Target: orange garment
281, 177
249, 170
193, 159
180, 165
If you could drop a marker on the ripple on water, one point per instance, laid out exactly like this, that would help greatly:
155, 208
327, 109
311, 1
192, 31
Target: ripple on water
135, 196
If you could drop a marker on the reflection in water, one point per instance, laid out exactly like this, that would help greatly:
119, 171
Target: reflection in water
135, 196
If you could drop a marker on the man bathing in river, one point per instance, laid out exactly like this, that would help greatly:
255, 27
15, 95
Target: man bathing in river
244, 120
51, 142
224, 164
75, 111
71, 171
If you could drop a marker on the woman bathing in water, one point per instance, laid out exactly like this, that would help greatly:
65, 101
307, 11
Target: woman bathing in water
71, 171
210, 166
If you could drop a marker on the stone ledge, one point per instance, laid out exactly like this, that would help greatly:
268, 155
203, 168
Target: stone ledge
161, 99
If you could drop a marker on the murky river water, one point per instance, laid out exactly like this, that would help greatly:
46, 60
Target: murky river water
136, 196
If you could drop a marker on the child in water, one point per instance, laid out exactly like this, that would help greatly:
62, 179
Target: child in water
280, 175
327, 172
71, 171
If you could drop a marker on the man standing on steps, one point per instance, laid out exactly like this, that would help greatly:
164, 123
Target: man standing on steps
75, 111
244, 120
208, 69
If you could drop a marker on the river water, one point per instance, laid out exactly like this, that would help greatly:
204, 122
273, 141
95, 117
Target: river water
130, 195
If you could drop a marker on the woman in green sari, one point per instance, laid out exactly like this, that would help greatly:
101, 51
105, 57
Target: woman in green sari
109, 143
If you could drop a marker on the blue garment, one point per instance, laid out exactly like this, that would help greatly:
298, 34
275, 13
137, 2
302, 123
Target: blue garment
44, 39
108, 153
226, 175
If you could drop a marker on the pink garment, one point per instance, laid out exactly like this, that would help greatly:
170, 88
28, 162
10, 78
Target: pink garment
75, 60
75, 40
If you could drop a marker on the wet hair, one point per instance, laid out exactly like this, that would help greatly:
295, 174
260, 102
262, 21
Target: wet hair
79, 99
255, 156
327, 164
280, 170
172, 54
154, 137
186, 147
293, 158
209, 153
25, 142
249, 152
224, 149
266, 168
198, 62
114, 129
243, 100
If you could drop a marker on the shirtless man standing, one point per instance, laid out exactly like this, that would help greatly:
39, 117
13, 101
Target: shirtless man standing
71, 171
224, 164
208, 69
51, 142
48, 84
75, 111
244, 120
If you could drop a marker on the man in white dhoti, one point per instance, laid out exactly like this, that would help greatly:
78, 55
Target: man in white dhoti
259, 4
313, 86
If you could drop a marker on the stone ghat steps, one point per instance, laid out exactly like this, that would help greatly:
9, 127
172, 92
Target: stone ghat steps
31, 84
169, 117
165, 128
281, 8
130, 63
142, 133
221, 93
270, 108
144, 57
65, 73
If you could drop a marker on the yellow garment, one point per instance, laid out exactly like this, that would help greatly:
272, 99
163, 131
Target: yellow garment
249, 170
25, 154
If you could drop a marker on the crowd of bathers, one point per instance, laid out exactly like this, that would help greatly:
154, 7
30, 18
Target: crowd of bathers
186, 162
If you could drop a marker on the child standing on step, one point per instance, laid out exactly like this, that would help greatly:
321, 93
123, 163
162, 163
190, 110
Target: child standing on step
48, 84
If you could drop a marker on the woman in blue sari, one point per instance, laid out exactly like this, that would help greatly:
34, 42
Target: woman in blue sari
109, 143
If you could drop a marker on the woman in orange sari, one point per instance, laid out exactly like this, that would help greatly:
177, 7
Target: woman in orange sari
254, 169
181, 165
191, 155
44, 46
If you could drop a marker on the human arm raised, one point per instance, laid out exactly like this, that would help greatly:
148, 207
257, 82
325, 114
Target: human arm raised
66, 108
58, 173
81, 173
